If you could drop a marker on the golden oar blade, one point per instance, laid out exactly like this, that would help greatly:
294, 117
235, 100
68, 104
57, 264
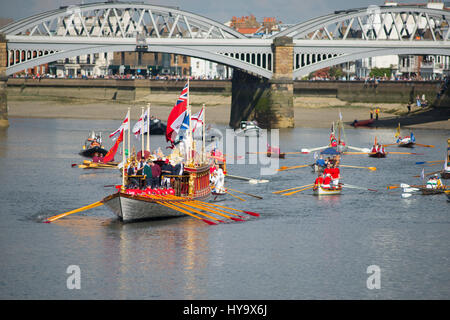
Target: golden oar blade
59, 216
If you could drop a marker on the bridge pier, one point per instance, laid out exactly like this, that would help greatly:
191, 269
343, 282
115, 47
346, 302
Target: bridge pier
270, 102
4, 123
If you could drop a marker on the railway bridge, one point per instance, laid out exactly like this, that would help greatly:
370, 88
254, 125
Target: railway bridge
264, 68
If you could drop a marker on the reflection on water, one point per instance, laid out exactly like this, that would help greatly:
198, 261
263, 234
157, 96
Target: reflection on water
302, 246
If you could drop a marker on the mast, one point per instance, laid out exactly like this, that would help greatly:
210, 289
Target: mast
142, 133
148, 127
189, 144
129, 141
203, 135
123, 153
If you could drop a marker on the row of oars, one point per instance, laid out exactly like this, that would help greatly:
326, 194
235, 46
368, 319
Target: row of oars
310, 186
296, 190
235, 196
197, 209
194, 208
283, 168
95, 165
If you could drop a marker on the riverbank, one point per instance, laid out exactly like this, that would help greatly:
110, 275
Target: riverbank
309, 111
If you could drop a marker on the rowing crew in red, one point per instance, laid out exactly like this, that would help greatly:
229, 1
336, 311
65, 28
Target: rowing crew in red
329, 178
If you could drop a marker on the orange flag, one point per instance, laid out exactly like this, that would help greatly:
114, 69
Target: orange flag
112, 152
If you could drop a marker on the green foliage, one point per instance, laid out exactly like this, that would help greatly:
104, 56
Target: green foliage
336, 72
381, 72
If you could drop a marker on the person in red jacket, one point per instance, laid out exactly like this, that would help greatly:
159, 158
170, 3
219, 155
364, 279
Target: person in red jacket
326, 181
319, 180
327, 169
335, 175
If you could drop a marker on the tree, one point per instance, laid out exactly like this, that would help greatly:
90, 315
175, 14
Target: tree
336, 72
381, 72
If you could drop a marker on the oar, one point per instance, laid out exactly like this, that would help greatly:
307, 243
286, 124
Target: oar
357, 153
249, 194
293, 167
306, 150
293, 192
255, 214
187, 207
202, 207
59, 216
176, 208
281, 191
425, 145
357, 187
190, 203
234, 196
422, 162
428, 174
370, 168
391, 144
185, 212
219, 206
393, 187
250, 180
419, 154
207, 207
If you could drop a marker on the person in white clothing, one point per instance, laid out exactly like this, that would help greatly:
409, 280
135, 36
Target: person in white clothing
218, 179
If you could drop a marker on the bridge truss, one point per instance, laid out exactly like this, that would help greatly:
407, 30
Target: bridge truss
336, 38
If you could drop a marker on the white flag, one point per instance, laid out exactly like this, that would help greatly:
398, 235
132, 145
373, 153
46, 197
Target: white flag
124, 126
141, 125
197, 120
422, 174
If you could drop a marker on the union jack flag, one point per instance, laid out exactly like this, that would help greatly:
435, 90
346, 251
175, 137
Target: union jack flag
183, 96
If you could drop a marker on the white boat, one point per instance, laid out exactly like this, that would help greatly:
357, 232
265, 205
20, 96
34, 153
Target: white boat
327, 191
130, 208
249, 129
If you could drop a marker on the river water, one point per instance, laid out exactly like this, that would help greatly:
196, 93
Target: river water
301, 247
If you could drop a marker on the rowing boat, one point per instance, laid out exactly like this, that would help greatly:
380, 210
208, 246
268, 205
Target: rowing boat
276, 155
377, 154
445, 174
134, 205
327, 191
429, 191
406, 144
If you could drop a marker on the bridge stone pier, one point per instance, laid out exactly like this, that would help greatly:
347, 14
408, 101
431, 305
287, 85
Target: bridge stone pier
4, 123
268, 101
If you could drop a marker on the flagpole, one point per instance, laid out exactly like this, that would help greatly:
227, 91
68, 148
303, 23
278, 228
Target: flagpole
189, 140
129, 141
142, 133
204, 137
123, 160
148, 127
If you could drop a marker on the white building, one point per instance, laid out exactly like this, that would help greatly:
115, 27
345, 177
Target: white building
404, 65
204, 69
89, 65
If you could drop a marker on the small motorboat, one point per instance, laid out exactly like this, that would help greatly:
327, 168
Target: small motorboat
363, 123
93, 145
248, 128
157, 127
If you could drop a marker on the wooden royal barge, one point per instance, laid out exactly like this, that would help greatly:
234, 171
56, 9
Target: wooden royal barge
132, 205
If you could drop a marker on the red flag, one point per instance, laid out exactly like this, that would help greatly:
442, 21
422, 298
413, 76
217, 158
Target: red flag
112, 152
176, 116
